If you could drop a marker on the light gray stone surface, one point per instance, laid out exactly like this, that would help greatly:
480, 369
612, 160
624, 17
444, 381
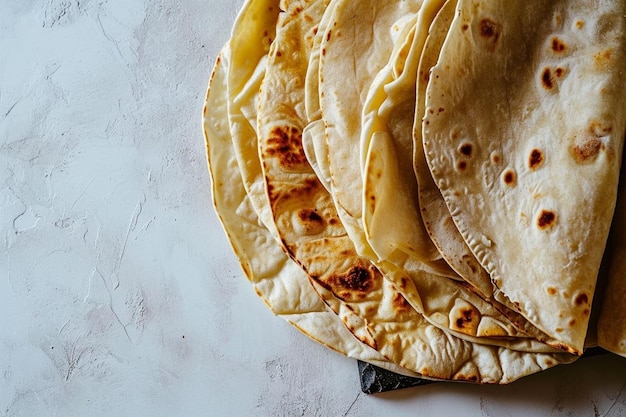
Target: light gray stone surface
119, 294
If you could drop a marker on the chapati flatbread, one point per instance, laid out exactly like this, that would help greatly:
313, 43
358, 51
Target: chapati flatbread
391, 217
253, 33
523, 133
279, 281
311, 234
332, 269
433, 210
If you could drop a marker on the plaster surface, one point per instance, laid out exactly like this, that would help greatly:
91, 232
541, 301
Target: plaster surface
119, 294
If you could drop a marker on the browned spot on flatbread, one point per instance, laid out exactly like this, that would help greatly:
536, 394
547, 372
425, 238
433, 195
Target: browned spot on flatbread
599, 129
311, 184
491, 32
310, 215
328, 35
366, 337
558, 45
323, 283
509, 177
310, 221
355, 282
559, 72
296, 11
547, 79
466, 149
400, 304
546, 219
551, 290
581, 299
357, 279
464, 27
404, 283
454, 133
370, 342
308, 187
563, 347
604, 58
586, 151
372, 201
461, 166
535, 159
587, 146
466, 320
285, 143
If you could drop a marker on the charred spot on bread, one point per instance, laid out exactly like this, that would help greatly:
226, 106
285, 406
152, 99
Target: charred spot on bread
535, 159
285, 143
490, 31
546, 219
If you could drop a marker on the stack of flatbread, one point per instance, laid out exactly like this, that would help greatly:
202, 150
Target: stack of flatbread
429, 185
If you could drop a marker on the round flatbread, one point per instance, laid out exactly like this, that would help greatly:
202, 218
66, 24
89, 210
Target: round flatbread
279, 281
523, 133
312, 235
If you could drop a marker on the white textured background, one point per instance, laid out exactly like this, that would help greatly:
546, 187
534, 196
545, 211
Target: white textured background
119, 295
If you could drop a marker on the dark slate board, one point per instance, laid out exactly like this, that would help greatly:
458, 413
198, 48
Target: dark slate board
375, 380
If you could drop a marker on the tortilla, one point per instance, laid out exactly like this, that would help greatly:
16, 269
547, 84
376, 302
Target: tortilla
312, 236
253, 33
279, 281
313, 134
308, 257
437, 219
391, 218
390, 184
523, 134
433, 210
313, 232
358, 58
